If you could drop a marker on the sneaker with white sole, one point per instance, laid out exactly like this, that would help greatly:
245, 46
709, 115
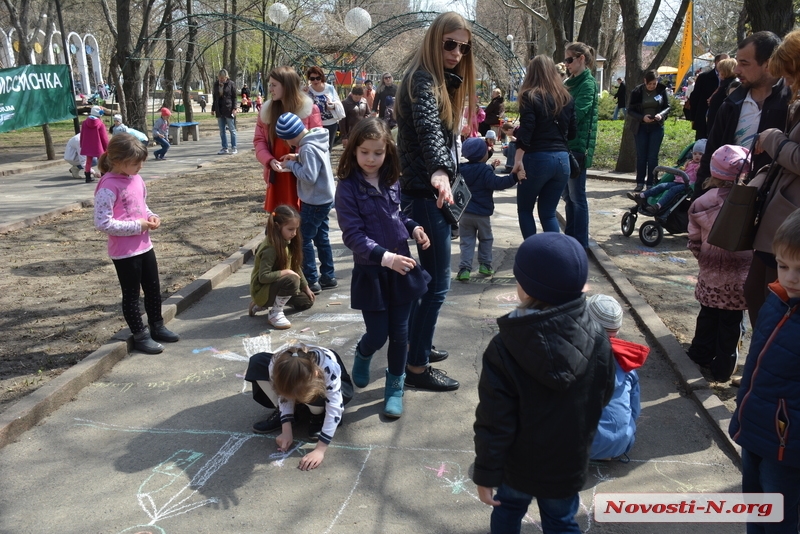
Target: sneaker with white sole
234, 151
278, 320
223, 151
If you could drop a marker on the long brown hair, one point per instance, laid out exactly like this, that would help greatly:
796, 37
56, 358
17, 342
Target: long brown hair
123, 148
276, 220
430, 58
296, 376
585, 50
370, 129
290, 102
544, 81
785, 61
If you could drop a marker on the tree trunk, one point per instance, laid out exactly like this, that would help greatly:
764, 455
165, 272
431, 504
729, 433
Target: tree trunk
776, 15
233, 74
169, 63
225, 41
48, 142
591, 23
189, 62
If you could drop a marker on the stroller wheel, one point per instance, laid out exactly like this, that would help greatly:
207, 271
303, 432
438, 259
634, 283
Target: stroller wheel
628, 222
651, 233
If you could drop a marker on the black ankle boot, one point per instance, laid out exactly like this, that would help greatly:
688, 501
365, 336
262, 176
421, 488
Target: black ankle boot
159, 332
143, 342
89, 178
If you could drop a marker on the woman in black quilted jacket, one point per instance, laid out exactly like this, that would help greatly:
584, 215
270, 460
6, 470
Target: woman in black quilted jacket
429, 103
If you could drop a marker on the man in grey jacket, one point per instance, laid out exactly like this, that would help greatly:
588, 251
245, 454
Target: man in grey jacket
312, 167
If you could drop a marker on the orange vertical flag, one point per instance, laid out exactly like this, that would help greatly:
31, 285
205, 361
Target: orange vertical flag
687, 48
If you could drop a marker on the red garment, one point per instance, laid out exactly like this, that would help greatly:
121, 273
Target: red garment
94, 138
629, 355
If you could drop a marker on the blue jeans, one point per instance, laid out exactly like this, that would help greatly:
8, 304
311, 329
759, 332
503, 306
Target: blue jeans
510, 152
230, 123
332, 129
163, 143
577, 209
558, 515
435, 260
393, 324
314, 228
549, 172
616, 113
672, 190
765, 475
648, 145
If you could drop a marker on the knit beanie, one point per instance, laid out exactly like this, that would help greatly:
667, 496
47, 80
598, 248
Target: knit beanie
490, 134
289, 126
117, 118
165, 112
551, 267
96, 111
729, 161
474, 148
699, 146
605, 310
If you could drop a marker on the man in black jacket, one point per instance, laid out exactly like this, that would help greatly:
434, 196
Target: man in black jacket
761, 102
704, 86
224, 108
620, 96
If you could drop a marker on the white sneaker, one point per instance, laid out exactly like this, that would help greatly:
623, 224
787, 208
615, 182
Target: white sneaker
234, 151
278, 320
76, 172
223, 151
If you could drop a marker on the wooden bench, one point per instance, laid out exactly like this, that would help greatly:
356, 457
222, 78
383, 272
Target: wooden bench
179, 131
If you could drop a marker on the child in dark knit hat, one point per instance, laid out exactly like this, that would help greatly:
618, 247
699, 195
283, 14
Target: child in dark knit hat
482, 183
545, 379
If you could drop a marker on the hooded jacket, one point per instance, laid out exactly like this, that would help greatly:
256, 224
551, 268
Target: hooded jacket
423, 141
94, 138
545, 379
583, 89
720, 282
313, 168
768, 402
616, 431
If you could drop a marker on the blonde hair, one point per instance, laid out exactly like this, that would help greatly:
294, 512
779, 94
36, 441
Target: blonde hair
290, 102
726, 67
296, 376
430, 58
275, 221
787, 238
123, 148
543, 80
785, 61
712, 182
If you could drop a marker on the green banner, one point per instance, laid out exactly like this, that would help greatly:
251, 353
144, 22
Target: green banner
35, 94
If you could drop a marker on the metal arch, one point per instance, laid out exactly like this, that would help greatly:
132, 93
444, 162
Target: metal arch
299, 52
380, 34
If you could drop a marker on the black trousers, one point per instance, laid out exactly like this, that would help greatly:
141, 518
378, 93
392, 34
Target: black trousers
136, 272
716, 341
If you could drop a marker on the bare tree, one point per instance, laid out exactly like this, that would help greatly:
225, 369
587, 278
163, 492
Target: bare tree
634, 33
777, 16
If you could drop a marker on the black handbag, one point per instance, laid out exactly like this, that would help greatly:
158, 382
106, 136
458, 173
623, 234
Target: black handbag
461, 197
574, 164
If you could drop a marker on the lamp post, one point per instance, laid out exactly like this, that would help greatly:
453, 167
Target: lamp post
183, 100
278, 14
510, 39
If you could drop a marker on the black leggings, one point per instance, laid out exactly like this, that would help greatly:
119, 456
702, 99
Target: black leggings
133, 273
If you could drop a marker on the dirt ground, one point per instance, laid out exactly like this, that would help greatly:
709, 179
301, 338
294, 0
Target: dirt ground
58, 289
664, 275
60, 298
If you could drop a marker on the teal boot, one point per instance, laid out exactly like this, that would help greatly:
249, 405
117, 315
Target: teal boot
360, 372
393, 395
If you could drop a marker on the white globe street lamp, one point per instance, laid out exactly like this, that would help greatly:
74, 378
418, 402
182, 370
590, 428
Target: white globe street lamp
357, 21
278, 13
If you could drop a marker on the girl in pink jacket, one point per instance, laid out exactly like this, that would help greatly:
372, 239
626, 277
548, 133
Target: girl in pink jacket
94, 139
720, 283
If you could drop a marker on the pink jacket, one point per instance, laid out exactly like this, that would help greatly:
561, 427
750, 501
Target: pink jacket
94, 138
309, 113
720, 283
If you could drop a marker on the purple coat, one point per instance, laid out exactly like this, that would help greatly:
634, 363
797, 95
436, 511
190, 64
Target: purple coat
372, 223
94, 139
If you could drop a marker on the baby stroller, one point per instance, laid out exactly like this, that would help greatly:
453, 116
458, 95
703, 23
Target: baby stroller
674, 218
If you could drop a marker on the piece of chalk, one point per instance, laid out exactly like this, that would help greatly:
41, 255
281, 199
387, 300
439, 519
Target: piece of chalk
306, 329
323, 331
335, 304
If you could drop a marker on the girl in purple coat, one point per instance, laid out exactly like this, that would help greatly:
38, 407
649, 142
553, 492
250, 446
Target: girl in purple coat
720, 282
386, 279
94, 139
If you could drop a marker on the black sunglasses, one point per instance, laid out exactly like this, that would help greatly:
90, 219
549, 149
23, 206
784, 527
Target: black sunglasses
569, 60
451, 44
314, 78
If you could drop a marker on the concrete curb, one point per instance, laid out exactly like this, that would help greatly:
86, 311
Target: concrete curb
28, 167
31, 409
688, 373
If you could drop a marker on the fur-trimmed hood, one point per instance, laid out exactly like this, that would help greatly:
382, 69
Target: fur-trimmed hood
304, 111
